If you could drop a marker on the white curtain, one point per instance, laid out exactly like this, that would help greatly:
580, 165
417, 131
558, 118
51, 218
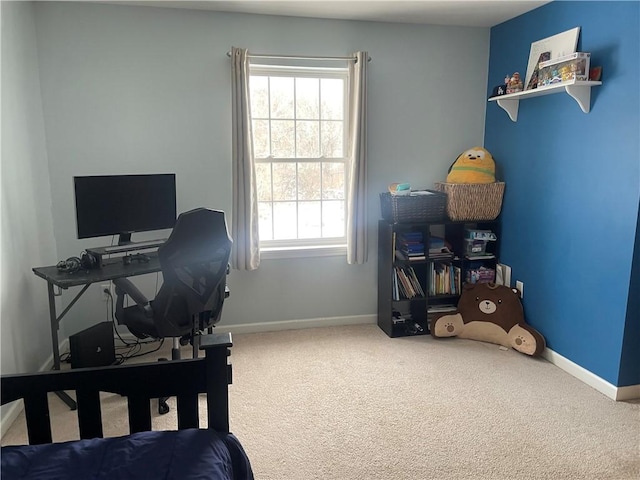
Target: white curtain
357, 175
244, 225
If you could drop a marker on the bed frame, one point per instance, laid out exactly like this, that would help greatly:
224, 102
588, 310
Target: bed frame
183, 379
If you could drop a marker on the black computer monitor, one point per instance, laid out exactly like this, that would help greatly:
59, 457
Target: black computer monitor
123, 204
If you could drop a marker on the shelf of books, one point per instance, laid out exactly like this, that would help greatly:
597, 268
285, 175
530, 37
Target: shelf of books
444, 279
422, 268
406, 285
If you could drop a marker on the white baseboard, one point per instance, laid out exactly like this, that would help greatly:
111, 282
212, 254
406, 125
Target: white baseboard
297, 324
614, 393
631, 392
285, 325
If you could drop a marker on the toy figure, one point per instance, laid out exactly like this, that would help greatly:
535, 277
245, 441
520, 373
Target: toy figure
515, 83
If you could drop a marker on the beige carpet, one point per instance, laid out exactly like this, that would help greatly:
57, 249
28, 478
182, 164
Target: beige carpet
350, 403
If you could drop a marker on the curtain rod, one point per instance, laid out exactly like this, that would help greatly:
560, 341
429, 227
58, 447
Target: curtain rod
298, 57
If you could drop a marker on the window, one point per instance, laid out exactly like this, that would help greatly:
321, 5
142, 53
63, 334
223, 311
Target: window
299, 122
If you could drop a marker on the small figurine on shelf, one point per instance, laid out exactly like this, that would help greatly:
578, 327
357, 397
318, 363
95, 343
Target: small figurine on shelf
515, 83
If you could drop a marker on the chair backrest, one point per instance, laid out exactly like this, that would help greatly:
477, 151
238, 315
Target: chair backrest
194, 262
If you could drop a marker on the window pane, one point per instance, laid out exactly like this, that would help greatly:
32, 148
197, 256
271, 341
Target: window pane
261, 138
299, 143
263, 181
259, 92
309, 182
307, 98
331, 93
265, 217
309, 220
307, 139
283, 138
333, 186
284, 181
333, 139
333, 223
281, 97
284, 220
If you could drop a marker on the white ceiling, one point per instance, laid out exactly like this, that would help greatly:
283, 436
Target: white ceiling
475, 13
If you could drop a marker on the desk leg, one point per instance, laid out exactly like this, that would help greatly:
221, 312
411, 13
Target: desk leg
56, 349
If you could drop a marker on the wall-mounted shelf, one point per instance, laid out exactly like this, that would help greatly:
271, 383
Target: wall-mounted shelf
579, 90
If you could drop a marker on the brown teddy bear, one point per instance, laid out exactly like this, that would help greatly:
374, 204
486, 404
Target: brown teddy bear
490, 313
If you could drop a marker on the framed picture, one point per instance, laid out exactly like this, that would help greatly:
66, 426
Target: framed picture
547, 49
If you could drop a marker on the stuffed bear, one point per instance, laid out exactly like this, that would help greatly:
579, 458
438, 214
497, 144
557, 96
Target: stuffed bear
490, 313
475, 165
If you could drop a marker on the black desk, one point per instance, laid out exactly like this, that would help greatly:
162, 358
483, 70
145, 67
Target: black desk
112, 268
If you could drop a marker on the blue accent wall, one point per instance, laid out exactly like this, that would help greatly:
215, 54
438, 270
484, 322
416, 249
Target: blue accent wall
630, 364
570, 212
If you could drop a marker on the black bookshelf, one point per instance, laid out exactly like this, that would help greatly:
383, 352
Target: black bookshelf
405, 308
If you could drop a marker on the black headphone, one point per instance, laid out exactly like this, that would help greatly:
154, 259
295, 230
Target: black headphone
70, 265
87, 261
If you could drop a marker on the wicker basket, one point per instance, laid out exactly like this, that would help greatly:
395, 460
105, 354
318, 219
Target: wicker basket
473, 201
413, 208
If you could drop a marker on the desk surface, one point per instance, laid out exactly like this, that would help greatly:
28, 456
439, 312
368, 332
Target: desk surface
111, 269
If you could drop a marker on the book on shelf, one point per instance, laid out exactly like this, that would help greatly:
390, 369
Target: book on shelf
441, 308
406, 284
404, 256
486, 256
396, 289
400, 255
445, 279
410, 244
436, 242
440, 253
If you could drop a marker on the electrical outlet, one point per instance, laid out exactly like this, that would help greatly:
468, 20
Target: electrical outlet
104, 288
520, 287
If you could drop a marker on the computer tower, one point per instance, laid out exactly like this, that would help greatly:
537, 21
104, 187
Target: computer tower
93, 347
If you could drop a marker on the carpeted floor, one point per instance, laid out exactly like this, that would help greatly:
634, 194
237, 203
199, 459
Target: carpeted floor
350, 403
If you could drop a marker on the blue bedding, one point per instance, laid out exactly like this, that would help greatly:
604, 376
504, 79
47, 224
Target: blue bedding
184, 454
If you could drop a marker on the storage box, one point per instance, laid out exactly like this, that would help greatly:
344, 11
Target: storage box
475, 247
473, 201
420, 206
481, 275
480, 234
574, 66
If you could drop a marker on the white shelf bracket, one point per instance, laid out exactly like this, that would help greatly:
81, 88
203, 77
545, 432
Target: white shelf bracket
510, 105
580, 94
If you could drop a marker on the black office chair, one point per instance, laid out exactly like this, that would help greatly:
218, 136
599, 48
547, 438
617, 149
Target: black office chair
195, 264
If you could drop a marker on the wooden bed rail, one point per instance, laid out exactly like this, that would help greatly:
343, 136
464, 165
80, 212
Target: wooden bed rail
140, 383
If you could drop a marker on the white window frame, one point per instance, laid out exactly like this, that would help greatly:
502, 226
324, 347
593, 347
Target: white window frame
292, 248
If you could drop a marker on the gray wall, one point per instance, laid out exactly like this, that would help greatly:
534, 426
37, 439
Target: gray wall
27, 227
139, 90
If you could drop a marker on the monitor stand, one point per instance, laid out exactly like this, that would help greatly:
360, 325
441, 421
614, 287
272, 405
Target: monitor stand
132, 246
124, 239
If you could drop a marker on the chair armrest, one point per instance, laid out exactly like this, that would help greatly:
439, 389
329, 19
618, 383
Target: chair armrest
124, 286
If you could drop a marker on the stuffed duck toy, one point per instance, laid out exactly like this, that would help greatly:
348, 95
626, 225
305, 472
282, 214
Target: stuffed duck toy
475, 165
